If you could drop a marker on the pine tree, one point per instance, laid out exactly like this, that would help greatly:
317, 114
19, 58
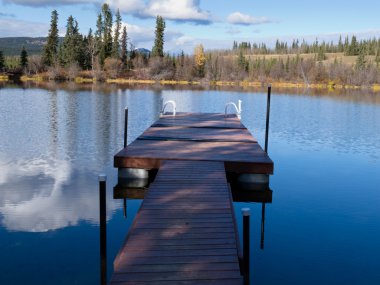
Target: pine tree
354, 47
98, 44
2, 61
24, 58
51, 48
340, 44
361, 60
321, 53
116, 38
71, 50
107, 30
158, 48
124, 48
346, 46
377, 57
87, 46
242, 61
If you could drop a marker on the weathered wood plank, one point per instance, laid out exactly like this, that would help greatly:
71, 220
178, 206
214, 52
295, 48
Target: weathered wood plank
178, 253
198, 134
124, 262
181, 226
200, 120
182, 236
173, 246
149, 153
182, 267
184, 282
177, 276
176, 220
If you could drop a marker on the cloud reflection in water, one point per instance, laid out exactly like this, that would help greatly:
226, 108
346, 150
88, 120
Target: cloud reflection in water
36, 196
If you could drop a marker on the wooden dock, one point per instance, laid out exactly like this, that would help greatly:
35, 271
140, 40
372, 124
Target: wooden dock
185, 232
199, 137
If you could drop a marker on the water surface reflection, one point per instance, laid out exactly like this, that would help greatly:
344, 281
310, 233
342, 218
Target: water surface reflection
323, 226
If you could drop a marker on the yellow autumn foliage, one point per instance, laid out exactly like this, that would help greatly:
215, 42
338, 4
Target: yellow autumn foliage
199, 58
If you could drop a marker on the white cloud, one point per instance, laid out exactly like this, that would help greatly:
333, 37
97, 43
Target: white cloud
238, 18
184, 40
139, 34
182, 11
33, 3
18, 28
185, 10
127, 6
143, 37
176, 10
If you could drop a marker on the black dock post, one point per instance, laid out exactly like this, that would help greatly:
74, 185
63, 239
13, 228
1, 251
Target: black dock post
246, 214
125, 126
267, 120
125, 207
103, 229
262, 225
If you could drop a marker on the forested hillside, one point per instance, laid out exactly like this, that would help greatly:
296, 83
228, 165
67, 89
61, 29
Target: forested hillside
13, 46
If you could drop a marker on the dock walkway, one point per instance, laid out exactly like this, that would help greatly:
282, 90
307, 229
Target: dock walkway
184, 232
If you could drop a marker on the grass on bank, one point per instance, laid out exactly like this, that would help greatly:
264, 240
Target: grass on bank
283, 85
4, 77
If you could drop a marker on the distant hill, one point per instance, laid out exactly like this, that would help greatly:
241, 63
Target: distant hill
13, 45
143, 51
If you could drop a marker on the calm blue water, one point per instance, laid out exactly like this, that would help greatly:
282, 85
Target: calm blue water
323, 226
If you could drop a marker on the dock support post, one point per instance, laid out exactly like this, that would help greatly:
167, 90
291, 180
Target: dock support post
125, 126
246, 215
125, 207
267, 120
262, 225
103, 229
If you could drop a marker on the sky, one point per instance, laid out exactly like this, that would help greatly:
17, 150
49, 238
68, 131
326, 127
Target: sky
213, 23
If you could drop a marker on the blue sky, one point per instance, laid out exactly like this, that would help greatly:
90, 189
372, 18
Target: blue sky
214, 23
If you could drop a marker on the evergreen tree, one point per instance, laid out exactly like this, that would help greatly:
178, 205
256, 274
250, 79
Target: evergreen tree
361, 60
107, 31
124, 49
346, 46
87, 46
158, 48
242, 61
98, 44
24, 58
354, 47
2, 61
340, 44
377, 57
321, 53
116, 38
71, 50
51, 48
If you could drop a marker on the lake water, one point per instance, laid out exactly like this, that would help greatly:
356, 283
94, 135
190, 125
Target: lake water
323, 226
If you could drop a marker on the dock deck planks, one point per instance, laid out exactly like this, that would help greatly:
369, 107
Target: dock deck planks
198, 137
184, 231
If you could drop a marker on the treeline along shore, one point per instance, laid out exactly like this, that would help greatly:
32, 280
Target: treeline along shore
108, 54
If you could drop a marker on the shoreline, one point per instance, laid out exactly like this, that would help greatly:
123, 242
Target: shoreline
257, 84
